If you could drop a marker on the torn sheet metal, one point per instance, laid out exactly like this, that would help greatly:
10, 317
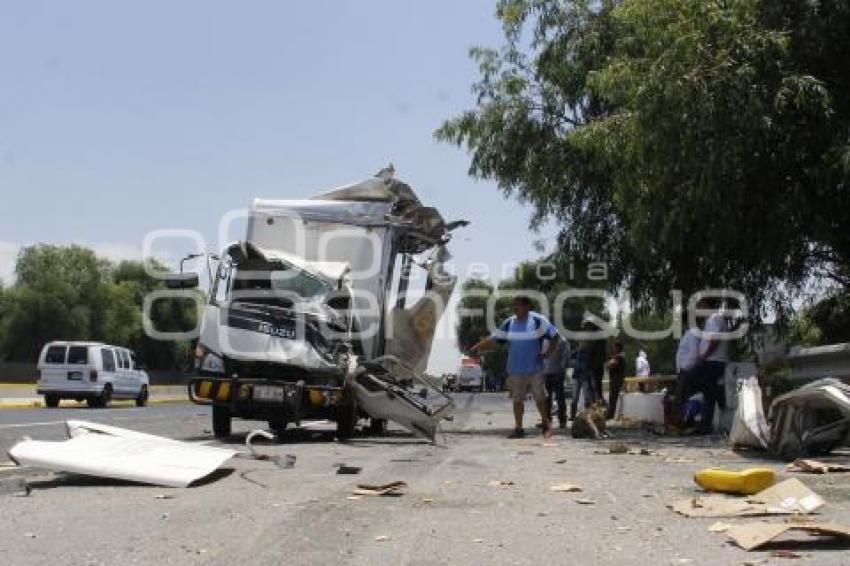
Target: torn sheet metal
810, 421
411, 331
749, 426
111, 452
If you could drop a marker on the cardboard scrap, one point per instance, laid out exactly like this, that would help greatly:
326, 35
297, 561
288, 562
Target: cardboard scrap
392, 488
816, 467
792, 495
566, 487
719, 527
785, 498
754, 535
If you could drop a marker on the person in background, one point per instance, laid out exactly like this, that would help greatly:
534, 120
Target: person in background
642, 365
555, 372
616, 365
524, 333
687, 355
590, 367
707, 375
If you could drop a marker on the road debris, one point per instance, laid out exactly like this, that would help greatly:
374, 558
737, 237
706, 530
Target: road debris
111, 452
749, 427
504, 484
584, 501
743, 482
813, 419
344, 469
163, 496
285, 461
616, 448
785, 498
245, 475
783, 553
621, 448
565, 487
382, 538
391, 489
15, 486
755, 535
816, 467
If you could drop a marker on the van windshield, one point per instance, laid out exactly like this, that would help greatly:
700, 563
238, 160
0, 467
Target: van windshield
78, 355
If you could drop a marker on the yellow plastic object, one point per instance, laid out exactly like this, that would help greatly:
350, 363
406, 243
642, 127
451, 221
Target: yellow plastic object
744, 482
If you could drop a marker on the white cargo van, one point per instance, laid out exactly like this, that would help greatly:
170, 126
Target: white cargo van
470, 376
90, 371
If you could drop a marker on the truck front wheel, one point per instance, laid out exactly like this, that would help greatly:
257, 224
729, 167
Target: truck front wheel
221, 421
346, 417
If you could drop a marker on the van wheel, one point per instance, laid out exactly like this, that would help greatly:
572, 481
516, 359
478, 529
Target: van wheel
142, 399
102, 400
346, 416
221, 421
51, 401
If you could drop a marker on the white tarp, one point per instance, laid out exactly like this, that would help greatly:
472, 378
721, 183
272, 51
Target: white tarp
111, 452
749, 427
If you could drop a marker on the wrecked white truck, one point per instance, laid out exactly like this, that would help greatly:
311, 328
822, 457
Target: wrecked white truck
308, 317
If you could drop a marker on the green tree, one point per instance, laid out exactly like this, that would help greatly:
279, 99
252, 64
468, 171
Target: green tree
687, 144
68, 293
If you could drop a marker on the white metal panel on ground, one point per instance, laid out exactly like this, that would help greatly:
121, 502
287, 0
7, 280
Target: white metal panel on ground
112, 452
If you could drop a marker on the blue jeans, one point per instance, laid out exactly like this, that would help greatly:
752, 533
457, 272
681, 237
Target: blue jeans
707, 378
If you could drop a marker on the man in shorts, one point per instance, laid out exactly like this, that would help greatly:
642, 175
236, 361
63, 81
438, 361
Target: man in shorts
524, 334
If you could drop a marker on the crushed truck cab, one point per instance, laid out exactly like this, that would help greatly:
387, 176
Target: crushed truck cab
309, 318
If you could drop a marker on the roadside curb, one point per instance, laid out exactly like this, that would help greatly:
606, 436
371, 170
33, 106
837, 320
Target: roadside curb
39, 403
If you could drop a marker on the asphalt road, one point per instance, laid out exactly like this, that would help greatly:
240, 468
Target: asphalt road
473, 498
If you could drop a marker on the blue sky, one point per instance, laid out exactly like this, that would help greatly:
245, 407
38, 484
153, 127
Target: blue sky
120, 118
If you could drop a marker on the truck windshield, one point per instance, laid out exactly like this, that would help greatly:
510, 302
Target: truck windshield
271, 278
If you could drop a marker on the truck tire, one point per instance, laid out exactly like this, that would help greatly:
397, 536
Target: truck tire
221, 421
51, 401
346, 416
142, 399
377, 427
278, 425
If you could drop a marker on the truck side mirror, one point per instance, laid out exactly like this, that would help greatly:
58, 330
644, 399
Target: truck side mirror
181, 280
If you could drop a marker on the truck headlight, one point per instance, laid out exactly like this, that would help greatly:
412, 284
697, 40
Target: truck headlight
211, 363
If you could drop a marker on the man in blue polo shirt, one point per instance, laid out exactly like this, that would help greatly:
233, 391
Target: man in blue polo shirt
524, 333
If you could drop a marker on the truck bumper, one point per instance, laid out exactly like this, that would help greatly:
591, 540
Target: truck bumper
264, 399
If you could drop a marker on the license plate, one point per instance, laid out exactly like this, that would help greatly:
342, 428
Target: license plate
75, 375
268, 393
